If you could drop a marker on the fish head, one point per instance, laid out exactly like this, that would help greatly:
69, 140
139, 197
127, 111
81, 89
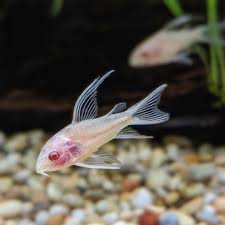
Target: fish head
58, 153
145, 54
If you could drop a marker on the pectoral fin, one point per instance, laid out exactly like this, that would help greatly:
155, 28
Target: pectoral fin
100, 160
129, 132
183, 58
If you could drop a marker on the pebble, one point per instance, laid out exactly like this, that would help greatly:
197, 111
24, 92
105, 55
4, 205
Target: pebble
5, 184
9, 163
110, 218
131, 183
73, 200
208, 215
28, 159
104, 206
158, 158
171, 198
219, 205
58, 209
35, 184
192, 206
209, 197
184, 219
36, 139
157, 178
123, 223
202, 172
141, 198
17, 142
148, 218
12, 208
25, 222
22, 176
109, 186
221, 176
173, 153
56, 220
169, 218
54, 191
79, 215
71, 221
41, 217
193, 190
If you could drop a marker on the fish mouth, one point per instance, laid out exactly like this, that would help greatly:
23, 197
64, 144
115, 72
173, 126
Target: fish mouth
43, 173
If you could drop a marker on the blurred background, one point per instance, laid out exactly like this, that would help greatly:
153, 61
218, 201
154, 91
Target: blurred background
50, 50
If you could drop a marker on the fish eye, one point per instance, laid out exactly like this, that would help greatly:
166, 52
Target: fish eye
144, 54
53, 156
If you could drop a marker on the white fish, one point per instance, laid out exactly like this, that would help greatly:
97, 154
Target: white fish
172, 44
78, 143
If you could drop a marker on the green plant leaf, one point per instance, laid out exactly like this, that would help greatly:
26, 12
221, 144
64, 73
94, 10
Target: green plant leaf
56, 7
174, 6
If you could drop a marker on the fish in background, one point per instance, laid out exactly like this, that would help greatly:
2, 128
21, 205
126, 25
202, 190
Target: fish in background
172, 43
78, 143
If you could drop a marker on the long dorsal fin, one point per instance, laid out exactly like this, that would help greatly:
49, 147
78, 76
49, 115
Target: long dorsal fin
86, 105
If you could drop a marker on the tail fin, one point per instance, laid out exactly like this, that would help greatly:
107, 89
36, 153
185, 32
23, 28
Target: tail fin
146, 112
207, 37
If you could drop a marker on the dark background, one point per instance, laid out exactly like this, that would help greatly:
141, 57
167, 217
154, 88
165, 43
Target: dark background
46, 61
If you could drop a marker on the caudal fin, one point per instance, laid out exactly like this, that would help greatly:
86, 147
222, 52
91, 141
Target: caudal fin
207, 36
146, 111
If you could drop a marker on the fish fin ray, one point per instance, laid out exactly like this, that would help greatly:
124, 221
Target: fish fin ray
118, 108
86, 105
101, 160
147, 112
129, 132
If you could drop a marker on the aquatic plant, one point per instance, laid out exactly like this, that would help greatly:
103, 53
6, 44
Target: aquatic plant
174, 6
216, 75
215, 61
56, 7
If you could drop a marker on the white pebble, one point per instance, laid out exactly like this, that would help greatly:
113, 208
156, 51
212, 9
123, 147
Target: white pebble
58, 209
41, 218
110, 218
141, 198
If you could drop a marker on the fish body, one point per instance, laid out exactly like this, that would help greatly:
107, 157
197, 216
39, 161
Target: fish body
170, 45
79, 142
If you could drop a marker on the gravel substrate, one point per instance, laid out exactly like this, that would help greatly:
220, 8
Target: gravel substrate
173, 183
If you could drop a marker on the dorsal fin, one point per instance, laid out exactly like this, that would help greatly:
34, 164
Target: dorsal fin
86, 105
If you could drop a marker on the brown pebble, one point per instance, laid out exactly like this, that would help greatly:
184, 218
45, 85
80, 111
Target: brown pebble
192, 206
56, 220
129, 185
191, 158
219, 205
39, 197
148, 218
220, 160
171, 198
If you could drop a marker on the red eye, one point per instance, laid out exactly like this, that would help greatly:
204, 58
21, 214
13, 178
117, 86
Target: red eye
53, 156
